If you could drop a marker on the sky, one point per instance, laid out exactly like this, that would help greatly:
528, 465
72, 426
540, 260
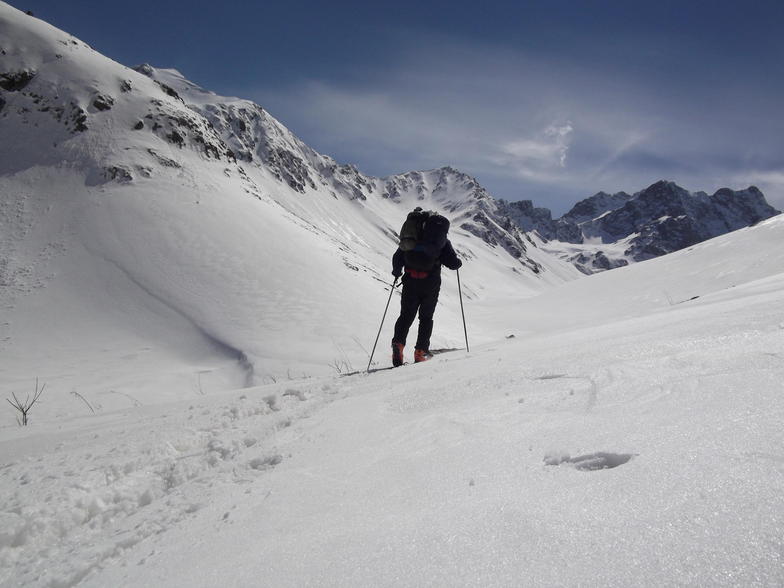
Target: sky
547, 101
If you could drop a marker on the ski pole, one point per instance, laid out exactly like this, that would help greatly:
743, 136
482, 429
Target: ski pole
460, 290
392, 289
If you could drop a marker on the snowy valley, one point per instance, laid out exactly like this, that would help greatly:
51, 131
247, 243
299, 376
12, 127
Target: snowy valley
215, 248
193, 283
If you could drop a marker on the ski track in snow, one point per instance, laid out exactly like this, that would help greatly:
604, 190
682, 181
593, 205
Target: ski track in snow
85, 496
120, 499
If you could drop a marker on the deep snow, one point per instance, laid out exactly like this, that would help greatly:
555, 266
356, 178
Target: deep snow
473, 469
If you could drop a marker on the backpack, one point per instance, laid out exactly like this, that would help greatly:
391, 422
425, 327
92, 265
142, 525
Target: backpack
422, 238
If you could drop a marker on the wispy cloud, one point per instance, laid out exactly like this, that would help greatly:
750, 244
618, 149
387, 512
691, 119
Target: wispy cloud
533, 127
537, 157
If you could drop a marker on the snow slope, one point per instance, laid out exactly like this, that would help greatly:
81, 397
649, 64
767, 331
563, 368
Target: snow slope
628, 434
161, 243
706, 271
634, 440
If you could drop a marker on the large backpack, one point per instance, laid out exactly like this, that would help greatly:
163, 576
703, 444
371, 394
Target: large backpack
422, 238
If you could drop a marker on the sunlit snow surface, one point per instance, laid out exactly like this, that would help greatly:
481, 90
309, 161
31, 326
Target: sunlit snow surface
644, 450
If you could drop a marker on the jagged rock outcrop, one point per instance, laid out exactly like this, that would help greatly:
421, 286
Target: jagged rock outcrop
664, 218
595, 206
530, 218
471, 207
658, 220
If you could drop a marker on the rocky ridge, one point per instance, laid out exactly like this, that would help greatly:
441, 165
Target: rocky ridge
257, 139
612, 230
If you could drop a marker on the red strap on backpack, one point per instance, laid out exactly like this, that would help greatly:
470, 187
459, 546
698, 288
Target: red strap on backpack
416, 274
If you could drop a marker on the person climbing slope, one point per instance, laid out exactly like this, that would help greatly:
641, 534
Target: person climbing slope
424, 248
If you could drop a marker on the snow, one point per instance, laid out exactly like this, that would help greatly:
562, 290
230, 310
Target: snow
637, 449
614, 430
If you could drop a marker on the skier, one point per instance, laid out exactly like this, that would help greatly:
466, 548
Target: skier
421, 271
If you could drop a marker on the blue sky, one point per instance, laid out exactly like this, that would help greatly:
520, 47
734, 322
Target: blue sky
551, 101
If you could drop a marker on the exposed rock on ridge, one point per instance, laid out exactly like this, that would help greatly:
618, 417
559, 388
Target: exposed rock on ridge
658, 220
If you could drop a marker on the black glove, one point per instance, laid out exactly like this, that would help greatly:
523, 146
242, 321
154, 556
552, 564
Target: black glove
459, 264
397, 273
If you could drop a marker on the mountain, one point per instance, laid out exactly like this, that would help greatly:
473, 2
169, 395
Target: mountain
595, 206
153, 261
260, 141
607, 231
157, 237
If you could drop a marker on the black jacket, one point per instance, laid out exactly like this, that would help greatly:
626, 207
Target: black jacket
448, 257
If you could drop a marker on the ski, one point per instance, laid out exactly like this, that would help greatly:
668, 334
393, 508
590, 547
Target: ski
391, 367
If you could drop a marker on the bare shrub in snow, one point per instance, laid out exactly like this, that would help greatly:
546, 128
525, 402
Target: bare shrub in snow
83, 399
24, 407
342, 366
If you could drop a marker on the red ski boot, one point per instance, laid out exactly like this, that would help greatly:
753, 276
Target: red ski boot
397, 354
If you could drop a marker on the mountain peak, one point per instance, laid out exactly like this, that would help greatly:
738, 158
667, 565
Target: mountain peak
145, 69
661, 184
662, 187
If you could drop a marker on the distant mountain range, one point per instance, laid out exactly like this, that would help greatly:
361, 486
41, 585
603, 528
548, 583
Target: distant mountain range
601, 232
607, 231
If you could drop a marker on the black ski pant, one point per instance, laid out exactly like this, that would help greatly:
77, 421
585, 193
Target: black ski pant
418, 295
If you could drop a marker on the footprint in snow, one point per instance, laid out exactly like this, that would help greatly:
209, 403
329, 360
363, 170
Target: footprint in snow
591, 461
266, 462
296, 393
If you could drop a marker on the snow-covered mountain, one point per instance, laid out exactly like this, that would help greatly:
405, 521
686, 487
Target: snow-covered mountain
622, 429
260, 141
607, 231
196, 241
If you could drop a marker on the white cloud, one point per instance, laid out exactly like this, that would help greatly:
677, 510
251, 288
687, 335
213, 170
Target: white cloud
537, 157
561, 136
